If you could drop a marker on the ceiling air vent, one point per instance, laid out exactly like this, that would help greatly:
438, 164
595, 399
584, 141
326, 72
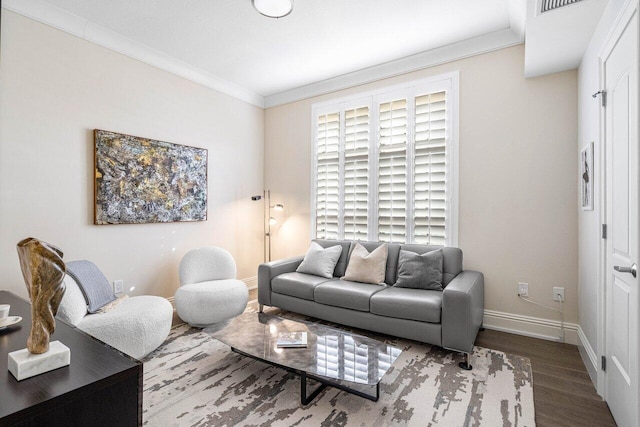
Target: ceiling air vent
548, 5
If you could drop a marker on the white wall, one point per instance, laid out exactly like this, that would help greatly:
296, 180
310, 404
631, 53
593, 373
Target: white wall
518, 169
54, 90
589, 221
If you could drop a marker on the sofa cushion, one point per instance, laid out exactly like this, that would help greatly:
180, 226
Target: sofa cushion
410, 304
299, 285
365, 266
420, 271
341, 265
345, 294
451, 259
320, 261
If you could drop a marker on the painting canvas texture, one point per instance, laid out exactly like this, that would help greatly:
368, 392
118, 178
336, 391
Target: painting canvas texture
140, 180
586, 171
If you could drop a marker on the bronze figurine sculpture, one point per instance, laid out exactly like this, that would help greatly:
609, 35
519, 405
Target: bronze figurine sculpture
43, 271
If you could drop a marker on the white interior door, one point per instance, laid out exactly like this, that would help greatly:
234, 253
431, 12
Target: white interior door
621, 139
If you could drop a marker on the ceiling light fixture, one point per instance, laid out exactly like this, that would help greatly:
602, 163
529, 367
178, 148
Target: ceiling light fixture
273, 8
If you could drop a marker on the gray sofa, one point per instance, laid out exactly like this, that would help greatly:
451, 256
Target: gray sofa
449, 318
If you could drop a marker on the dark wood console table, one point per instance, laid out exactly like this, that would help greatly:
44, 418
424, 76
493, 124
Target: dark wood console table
101, 387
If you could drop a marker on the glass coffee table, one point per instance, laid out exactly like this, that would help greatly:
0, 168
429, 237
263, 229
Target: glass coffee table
335, 358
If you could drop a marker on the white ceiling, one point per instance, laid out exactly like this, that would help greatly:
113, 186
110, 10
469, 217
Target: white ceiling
323, 45
557, 39
321, 39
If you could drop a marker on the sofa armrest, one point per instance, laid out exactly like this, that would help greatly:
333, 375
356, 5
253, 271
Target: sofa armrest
462, 311
269, 270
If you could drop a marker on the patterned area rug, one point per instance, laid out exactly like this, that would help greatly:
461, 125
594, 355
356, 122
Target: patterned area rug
194, 380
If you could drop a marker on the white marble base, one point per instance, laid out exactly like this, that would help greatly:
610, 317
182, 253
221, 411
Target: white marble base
23, 364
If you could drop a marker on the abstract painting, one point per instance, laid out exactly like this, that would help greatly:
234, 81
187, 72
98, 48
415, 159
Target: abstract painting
586, 170
140, 180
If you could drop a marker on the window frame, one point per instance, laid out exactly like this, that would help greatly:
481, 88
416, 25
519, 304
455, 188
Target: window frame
448, 82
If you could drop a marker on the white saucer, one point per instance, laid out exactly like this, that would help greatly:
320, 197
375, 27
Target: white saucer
11, 320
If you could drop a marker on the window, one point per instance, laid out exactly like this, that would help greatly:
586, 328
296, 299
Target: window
385, 165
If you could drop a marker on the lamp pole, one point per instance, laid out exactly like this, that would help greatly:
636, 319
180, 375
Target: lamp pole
267, 220
268, 225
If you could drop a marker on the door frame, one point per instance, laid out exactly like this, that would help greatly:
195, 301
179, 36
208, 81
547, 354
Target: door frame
627, 13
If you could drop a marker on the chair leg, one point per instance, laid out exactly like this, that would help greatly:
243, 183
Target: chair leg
261, 308
466, 365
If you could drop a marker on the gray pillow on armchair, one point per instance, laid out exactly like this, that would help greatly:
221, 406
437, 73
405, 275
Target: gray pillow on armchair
420, 271
94, 286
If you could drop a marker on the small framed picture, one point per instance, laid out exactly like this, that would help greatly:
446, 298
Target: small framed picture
586, 177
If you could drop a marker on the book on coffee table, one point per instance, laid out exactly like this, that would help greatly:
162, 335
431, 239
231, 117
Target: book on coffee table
292, 340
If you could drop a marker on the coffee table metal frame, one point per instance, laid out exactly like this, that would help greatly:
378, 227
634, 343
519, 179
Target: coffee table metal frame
305, 398
254, 337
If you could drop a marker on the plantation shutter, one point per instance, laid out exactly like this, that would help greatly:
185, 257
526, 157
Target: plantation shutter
327, 175
386, 165
392, 171
429, 169
356, 173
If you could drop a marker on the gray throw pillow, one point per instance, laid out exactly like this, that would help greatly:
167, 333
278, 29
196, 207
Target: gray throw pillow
320, 261
94, 286
420, 271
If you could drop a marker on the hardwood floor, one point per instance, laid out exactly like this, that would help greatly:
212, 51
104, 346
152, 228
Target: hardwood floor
562, 390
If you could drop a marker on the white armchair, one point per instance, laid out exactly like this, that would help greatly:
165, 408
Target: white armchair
136, 326
209, 291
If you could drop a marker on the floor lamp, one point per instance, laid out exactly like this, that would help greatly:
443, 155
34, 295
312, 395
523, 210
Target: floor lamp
269, 220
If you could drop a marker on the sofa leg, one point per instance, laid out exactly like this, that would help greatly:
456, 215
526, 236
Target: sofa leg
261, 308
466, 365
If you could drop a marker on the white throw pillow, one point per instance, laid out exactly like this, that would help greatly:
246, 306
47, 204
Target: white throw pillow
367, 267
320, 261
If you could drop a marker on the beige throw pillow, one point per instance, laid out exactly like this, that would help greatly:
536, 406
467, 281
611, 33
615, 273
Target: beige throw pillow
367, 267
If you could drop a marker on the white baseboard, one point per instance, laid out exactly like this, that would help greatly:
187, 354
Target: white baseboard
251, 282
589, 356
529, 326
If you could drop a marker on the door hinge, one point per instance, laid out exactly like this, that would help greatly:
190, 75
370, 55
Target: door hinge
604, 231
603, 97
603, 363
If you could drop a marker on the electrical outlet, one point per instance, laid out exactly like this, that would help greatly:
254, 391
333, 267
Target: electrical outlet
523, 289
118, 285
558, 293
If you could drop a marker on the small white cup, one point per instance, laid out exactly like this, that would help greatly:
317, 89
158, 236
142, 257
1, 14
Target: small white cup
4, 311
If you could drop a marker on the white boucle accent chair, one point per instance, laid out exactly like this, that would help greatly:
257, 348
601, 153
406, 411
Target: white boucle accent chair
136, 326
209, 291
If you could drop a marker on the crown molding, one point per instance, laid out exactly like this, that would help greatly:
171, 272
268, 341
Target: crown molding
80, 27
58, 18
518, 17
453, 52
